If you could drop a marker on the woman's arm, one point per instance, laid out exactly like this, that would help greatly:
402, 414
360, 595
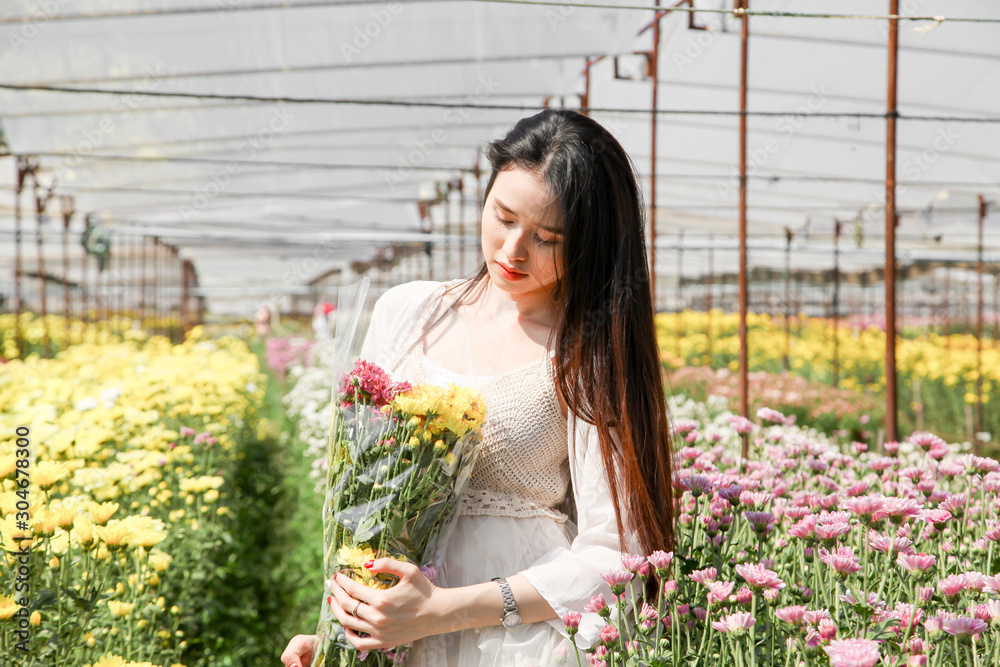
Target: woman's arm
415, 608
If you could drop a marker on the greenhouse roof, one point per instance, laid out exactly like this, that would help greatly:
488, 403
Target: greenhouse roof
260, 138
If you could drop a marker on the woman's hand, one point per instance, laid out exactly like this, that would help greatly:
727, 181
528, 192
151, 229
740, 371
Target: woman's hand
299, 652
410, 610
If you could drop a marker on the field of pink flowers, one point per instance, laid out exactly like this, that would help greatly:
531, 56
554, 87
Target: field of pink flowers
813, 552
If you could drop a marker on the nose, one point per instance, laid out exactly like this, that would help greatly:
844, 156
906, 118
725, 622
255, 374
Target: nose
515, 246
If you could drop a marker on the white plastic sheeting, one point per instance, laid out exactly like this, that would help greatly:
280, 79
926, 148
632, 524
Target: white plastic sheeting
264, 194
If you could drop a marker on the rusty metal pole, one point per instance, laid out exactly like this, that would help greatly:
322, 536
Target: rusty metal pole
652, 171
156, 287
68, 209
836, 303
680, 294
978, 445
708, 300
142, 283
744, 356
22, 168
585, 98
891, 414
996, 308
185, 296
788, 300
462, 250
946, 306
42, 203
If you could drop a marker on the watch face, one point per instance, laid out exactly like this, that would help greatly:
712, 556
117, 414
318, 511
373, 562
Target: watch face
511, 618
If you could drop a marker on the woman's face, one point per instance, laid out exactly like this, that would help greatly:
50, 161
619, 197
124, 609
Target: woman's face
521, 234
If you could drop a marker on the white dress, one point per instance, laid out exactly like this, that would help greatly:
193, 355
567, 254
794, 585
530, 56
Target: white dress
511, 519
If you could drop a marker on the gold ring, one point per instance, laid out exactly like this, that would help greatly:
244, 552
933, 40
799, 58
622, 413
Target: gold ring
355, 612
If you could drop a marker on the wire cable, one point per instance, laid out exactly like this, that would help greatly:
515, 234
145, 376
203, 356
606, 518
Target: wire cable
498, 107
316, 4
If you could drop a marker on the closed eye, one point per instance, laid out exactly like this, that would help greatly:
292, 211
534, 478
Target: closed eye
501, 220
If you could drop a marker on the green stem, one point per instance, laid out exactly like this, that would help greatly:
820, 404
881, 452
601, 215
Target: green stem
576, 652
659, 616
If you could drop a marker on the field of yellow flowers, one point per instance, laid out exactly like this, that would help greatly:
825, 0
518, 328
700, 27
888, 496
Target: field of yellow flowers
114, 460
936, 374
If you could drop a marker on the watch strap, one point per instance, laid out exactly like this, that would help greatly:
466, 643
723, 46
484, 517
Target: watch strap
508, 595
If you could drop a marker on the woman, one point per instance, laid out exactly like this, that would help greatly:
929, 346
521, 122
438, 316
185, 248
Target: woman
556, 329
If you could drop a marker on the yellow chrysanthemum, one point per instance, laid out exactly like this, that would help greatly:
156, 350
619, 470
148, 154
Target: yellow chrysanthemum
110, 661
8, 607
201, 484
49, 473
44, 523
8, 465
354, 556
101, 513
115, 535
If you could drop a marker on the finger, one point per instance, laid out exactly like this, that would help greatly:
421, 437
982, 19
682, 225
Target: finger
341, 603
366, 643
356, 590
298, 653
392, 566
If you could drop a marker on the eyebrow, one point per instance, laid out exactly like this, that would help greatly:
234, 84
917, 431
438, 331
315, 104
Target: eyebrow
551, 230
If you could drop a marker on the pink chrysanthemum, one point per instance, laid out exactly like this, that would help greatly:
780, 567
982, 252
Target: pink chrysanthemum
898, 510
964, 626
368, 383
572, 622
915, 563
771, 415
617, 580
864, 506
735, 624
952, 585
683, 426
660, 560
806, 528
793, 615
853, 652
925, 440
884, 544
704, 576
831, 532
740, 424
597, 604
719, 591
758, 576
843, 563
632, 562
697, 485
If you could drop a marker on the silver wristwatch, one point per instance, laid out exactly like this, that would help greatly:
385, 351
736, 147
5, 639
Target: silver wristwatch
511, 616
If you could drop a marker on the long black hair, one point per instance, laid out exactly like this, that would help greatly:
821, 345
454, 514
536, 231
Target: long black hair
607, 363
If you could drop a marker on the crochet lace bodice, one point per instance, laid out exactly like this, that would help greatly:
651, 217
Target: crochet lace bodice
523, 467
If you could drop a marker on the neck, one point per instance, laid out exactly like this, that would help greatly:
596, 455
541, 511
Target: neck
537, 307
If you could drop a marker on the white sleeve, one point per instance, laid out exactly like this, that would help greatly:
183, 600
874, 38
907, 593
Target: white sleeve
568, 577
393, 315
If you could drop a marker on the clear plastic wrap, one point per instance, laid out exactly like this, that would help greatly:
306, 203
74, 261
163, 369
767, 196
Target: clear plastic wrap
399, 457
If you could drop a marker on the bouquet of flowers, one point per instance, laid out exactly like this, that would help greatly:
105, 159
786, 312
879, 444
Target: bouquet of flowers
399, 457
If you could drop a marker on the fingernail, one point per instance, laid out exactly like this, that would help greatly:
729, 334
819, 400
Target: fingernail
329, 600
369, 563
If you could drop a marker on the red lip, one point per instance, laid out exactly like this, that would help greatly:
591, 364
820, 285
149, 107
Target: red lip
509, 273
